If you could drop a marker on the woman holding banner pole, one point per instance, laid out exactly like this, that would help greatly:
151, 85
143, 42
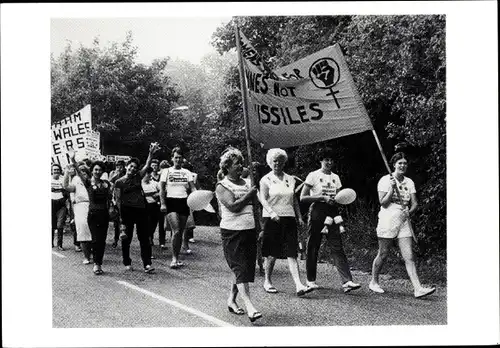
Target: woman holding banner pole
394, 223
237, 226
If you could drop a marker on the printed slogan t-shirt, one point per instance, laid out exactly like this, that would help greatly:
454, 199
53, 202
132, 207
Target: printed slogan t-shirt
323, 184
406, 188
57, 189
176, 182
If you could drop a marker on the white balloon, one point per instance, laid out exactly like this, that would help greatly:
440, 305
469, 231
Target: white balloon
345, 196
198, 200
209, 208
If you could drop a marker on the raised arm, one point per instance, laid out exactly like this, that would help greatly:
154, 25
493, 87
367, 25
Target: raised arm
227, 198
66, 178
72, 154
152, 149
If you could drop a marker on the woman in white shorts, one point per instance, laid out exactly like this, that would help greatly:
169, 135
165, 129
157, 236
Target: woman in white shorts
394, 223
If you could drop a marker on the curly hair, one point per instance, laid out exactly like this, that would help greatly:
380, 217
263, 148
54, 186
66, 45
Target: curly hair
228, 158
272, 154
98, 163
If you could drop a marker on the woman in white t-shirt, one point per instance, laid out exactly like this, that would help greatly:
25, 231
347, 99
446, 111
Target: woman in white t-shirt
237, 226
281, 213
320, 189
398, 199
175, 185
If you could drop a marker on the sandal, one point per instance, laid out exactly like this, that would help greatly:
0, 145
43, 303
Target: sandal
270, 289
255, 316
176, 264
237, 311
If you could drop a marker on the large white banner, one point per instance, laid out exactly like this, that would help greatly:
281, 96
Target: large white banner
311, 100
70, 133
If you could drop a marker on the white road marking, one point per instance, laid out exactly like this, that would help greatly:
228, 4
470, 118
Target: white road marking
58, 255
178, 305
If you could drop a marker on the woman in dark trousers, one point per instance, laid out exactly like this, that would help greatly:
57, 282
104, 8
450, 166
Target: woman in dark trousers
239, 238
162, 215
59, 196
99, 192
113, 176
151, 190
320, 188
132, 209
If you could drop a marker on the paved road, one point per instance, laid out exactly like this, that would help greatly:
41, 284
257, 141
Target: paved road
195, 296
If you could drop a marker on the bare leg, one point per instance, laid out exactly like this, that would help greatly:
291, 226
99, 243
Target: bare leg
293, 265
244, 291
177, 223
384, 244
268, 267
407, 253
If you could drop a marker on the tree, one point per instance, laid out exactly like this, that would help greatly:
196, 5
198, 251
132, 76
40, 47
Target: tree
130, 102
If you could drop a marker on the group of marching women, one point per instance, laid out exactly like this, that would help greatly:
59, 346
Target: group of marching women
131, 199
144, 196
281, 216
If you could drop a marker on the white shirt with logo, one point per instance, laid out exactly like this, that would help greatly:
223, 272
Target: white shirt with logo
406, 188
57, 189
323, 184
176, 182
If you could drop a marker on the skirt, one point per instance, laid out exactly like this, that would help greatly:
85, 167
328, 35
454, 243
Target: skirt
240, 250
280, 238
81, 211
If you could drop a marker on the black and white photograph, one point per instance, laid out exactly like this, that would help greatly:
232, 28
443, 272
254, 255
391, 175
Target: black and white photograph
220, 168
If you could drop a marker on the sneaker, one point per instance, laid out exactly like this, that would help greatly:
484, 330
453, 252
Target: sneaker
424, 292
312, 285
129, 268
86, 261
163, 246
186, 251
98, 270
375, 288
191, 240
153, 257
78, 248
123, 236
60, 248
149, 269
350, 285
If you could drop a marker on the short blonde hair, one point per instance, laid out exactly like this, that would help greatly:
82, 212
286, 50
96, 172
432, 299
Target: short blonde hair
228, 157
272, 154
